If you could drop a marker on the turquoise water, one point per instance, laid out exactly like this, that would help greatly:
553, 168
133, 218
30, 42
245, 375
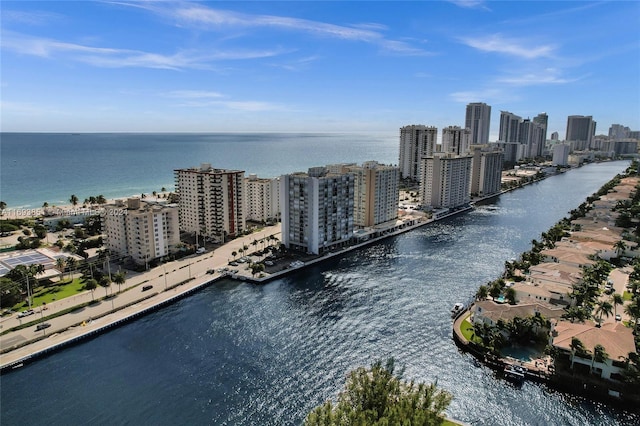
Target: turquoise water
522, 353
39, 167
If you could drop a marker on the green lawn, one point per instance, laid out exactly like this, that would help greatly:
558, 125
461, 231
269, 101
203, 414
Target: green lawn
467, 331
52, 293
626, 296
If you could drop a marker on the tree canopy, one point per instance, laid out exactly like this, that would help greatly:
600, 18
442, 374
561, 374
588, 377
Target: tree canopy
378, 396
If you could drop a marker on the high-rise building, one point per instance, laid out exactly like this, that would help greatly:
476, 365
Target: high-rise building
509, 127
416, 141
262, 199
211, 201
317, 210
618, 131
486, 170
532, 137
580, 131
455, 140
446, 180
561, 154
555, 136
512, 152
142, 231
478, 120
540, 134
376, 193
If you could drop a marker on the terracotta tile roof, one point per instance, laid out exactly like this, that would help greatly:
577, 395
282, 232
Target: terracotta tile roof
617, 339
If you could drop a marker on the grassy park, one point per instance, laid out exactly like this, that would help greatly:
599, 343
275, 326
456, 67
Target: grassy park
48, 294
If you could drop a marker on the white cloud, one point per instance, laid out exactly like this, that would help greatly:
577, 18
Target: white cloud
121, 58
470, 4
489, 95
194, 94
546, 76
29, 18
499, 44
206, 18
205, 99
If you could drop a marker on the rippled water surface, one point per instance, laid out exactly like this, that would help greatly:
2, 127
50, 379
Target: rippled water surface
238, 354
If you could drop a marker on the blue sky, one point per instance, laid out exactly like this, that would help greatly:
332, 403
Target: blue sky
121, 66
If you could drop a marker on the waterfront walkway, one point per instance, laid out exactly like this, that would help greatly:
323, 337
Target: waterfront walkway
19, 345
168, 282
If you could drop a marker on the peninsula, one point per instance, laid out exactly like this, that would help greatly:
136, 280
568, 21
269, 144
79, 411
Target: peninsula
567, 312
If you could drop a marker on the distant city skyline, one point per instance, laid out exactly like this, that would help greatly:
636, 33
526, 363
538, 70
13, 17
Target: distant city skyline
314, 66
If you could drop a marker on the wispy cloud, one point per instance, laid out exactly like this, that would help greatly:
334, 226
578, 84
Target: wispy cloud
29, 18
470, 4
210, 19
500, 44
543, 77
208, 99
298, 64
122, 58
194, 94
491, 95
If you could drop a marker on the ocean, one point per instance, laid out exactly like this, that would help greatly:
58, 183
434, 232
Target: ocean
50, 167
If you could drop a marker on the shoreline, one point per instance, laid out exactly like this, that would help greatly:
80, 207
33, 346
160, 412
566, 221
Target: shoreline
20, 356
604, 389
384, 233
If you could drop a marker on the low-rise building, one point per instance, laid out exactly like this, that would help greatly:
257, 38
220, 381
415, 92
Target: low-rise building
617, 340
490, 312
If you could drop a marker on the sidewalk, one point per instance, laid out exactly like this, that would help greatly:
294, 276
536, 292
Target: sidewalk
81, 321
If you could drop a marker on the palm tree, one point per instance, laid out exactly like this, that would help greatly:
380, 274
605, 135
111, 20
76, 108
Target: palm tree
616, 299
72, 263
120, 278
603, 308
101, 200
60, 263
91, 284
577, 348
599, 355
105, 282
633, 310
482, 292
74, 199
620, 247
234, 254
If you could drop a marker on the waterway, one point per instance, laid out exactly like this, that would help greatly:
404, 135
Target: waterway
240, 354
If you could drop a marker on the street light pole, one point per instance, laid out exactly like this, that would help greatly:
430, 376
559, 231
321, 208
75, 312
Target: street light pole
28, 291
165, 277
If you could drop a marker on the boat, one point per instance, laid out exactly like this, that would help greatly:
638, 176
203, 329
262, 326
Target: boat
457, 308
514, 373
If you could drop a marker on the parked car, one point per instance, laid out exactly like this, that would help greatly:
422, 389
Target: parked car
618, 317
42, 326
147, 287
268, 263
26, 313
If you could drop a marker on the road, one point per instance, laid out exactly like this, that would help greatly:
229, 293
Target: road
94, 316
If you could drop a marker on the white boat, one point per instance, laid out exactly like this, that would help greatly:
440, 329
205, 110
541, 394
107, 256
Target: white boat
457, 308
514, 373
